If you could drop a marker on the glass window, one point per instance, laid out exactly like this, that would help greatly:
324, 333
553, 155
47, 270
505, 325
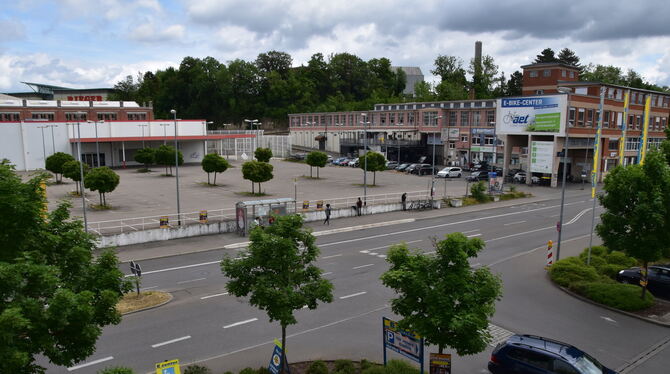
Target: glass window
571, 117
488, 140
580, 117
491, 117
452, 145
589, 117
564, 73
476, 118
546, 73
137, 116
464, 138
48, 116
465, 118
410, 118
6, 117
613, 145
532, 73
452, 118
476, 140
562, 367
572, 74
632, 144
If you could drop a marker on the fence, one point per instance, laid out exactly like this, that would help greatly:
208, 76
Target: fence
120, 226
235, 148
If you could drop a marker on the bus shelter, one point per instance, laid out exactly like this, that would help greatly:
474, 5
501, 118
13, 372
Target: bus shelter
247, 211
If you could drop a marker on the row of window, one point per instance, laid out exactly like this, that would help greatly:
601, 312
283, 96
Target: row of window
467, 118
581, 117
547, 73
71, 116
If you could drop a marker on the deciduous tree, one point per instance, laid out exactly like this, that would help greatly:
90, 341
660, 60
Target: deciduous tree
441, 297
56, 298
213, 163
257, 172
278, 272
103, 180
376, 162
165, 156
263, 154
146, 156
55, 162
72, 170
316, 160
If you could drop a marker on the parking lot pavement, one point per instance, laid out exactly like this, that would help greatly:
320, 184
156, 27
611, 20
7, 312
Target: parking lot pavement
151, 194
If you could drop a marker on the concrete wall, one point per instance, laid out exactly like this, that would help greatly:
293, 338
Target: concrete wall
146, 236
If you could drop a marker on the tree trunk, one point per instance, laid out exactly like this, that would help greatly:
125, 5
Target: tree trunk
253, 187
104, 199
100, 195
645, 278
317, 173
283, 349
440, 349
310, 171
215, 178
259, 189
208, 178
374, 178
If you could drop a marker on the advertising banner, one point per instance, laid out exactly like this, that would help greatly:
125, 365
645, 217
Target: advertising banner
540, 115
407, 343
440, 363
642, 153
541, 157
168, 367
624, 123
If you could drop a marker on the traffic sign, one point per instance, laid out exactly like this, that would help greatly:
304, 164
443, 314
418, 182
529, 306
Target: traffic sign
405, 342
133, 269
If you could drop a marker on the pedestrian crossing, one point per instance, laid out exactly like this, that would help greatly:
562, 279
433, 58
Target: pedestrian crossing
498, 334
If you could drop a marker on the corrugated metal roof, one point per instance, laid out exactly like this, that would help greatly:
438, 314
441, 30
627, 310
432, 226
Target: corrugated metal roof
409, 70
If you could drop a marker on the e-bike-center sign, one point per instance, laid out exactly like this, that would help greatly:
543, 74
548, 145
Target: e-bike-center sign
539, 115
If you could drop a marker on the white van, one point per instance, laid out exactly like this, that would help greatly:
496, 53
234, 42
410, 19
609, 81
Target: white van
450, 172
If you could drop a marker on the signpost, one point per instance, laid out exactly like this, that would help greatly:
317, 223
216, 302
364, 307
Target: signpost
164, 222
407, 343
168, 367
275, 360
440, 363
136, 269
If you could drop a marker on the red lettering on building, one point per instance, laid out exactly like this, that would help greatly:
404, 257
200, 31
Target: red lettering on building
84, 98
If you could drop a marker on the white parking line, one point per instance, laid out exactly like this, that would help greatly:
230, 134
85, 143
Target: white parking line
191, 280
148, 288
90, 363
353, 295
240, 323
215, 295
474, 235
328, 273
327, 257
362, 266
171, 341
514, 223
469, 231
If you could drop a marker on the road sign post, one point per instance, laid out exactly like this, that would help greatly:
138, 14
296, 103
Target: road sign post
136, 269
405, 342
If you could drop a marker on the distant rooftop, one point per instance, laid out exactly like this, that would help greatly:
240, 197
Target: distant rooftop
409, 70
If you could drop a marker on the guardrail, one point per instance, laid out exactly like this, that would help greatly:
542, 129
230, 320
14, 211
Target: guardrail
119, 226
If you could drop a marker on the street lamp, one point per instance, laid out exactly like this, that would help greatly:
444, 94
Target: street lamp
176, 163
559, 227
165, 131
365, 160
44, 148
97, 145
208, 123
81, 169
142, 127
432, 180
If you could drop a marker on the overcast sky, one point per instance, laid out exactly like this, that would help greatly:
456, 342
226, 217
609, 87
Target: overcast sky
96, 43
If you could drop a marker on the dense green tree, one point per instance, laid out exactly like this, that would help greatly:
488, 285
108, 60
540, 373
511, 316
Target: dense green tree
274, 61
568, 57
547, 55
263, 154
278, 272
636, 220
126, 90
55, 162
316, 160
423, 91
213, 163
483, 77
165, 156
103, 180
146, 156
72, 170
56, 297
257, 172
350, 75
375, 162
665, 145
515, 84
441, 297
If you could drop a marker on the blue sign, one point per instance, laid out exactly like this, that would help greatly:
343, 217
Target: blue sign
404, 342
276, 362
533, 102
483, 131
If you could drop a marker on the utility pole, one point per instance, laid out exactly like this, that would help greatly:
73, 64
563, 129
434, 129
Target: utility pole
176, 163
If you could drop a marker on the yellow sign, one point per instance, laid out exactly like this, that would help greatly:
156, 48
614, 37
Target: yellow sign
622, 140
168, 367
645, 132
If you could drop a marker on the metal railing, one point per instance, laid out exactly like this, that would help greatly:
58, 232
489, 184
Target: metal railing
348, 202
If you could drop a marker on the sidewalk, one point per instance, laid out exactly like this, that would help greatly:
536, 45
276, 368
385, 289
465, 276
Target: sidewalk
176, 247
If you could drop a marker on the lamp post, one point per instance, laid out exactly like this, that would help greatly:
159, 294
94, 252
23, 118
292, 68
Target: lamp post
53, 141
207, 123
365, 160
559, 227
432, 172
97, 145
165, 131
142, 127
81, 170
176, 163
252, 123
44, 148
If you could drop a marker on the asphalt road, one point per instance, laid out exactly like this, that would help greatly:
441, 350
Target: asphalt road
204, 324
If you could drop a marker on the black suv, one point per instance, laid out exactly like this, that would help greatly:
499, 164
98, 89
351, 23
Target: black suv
528, 354
477, 176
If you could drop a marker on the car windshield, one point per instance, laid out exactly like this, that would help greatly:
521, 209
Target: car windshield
588, 365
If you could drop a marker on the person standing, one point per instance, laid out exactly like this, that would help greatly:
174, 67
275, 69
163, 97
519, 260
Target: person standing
403, 200
359, 206
327, 220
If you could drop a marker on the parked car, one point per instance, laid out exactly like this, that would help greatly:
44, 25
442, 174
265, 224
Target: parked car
534, 354
390, 165
329, 159
512, 172
426, 170
410, 168
353, 163
477, 176
402, 167
338, 160
450, 172
519, 177
416, 168
658, 279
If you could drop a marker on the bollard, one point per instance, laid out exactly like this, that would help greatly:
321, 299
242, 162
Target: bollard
550, 254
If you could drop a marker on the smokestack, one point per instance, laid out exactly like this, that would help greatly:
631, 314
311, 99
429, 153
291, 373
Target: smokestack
478, 68
478, 51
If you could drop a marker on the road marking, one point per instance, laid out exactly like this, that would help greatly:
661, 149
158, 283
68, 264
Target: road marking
514, 223
388, 246
240, 323
90, 363
353, 295
494, 263
148, 288
191, 280
476, 265
554, 215
327, 257
429, 253
465, 232
608, 319
644, 356
362, 266
474, 235
373, 253
171, 341
519, 233
215, 295
176, 268
578, 216
328, 273
381, 256
498, 334
366, 251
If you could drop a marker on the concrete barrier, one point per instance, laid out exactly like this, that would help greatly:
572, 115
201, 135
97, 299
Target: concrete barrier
152, 235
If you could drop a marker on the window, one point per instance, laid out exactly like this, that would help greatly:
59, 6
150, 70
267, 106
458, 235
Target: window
488, 140
631, 124
45, 115
491, 117
638, 122
632, 144
571, 117
664, 123
401, 119
546, 73
613, 145
532, 74
391, 119
410, 118
137, 116
572, 74
465, 118
476, 140
539, 92
476, 118
452, 119
606, 119
382, 119
564, 73
580, 117
589, 118
562, 367
6, 117
452, 145
464, 138
529, 357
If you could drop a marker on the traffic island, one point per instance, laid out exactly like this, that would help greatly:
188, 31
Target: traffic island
132, 302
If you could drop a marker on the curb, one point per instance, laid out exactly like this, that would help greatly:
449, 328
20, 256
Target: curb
151, 307
629, 314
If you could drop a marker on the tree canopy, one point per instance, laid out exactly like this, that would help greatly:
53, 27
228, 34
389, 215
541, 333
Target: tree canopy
165, 156
376, 162
103, 180
55, 162
72, 170
441, 297
263, 154
316, 160
278, 272
213, 163
257, 172
56, 297
146, 156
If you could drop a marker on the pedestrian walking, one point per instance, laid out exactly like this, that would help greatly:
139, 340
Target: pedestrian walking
359, 206
327, 220
403, 200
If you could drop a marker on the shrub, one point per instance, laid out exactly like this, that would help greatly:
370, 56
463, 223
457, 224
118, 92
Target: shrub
263, 370
248, 371
317, 367
263, 154
400, 367
228, 372
374, 370
344, 367
197, 369
117, 370
620, 258
365, 364
596, 250
617, 295
572, 270
54, 163
478, 191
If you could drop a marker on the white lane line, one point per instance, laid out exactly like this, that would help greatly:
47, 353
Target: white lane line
148, 288
191, 280
554, 215
429, 253
328, 273
366, 251
176, 268
373, 253
494, 263
381, 256
353, 295
475, 265
474, 235
514, 223
362, 266
171, 341
332, 256
578, 216
240, 323
469, 231
90, 363
519, 233
215, 295
387, 246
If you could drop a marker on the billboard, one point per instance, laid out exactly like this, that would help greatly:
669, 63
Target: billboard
541, 157
541, 115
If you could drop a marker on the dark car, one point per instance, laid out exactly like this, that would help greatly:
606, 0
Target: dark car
402, 167
477, 176
411, 167
391, 165
427, 170
658, 279
526, 354
417, 168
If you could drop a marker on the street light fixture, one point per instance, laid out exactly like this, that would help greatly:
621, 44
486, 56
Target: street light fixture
81, 169
365, 160
559, 226
432, 180
142, 127
176, 163
97, 145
